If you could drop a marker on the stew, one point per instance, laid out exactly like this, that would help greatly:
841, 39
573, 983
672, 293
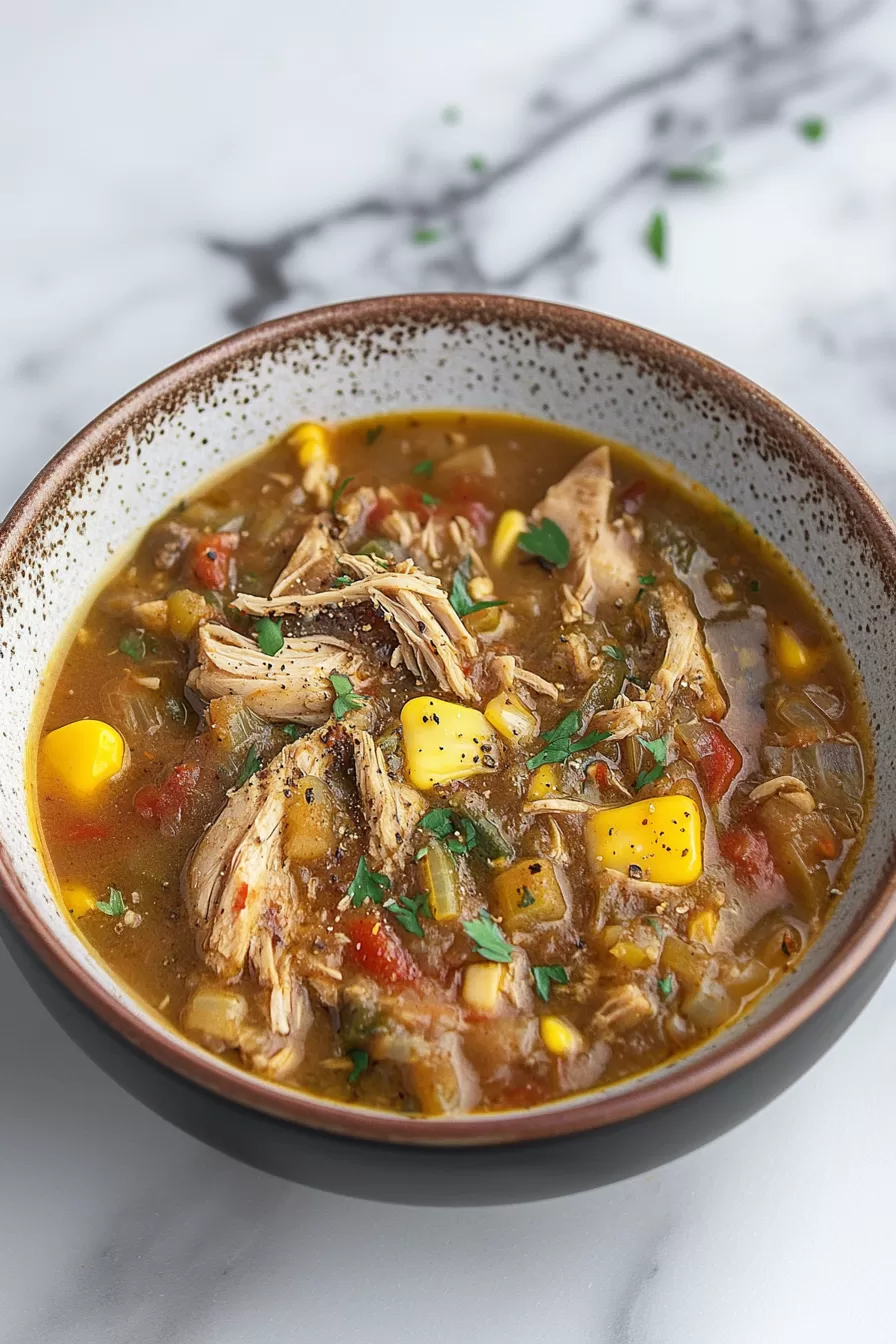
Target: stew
450, 762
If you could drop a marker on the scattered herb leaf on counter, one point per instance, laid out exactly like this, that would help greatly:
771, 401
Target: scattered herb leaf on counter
367, 885
813, 129
699, 174
655, 235
490, 941
270, 636
346, 696
451, 114
546, 540
544, 976
113, 905
426, 235
476, 163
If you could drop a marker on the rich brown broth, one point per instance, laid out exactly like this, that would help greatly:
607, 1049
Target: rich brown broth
614, 969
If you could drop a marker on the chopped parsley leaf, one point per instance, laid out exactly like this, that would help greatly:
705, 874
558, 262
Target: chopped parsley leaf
700, 174
560, 744
813, 129
459, 597
754, 585
613, 651
431, 501
424, 468
134, 645
490, 941
113, 905
250, 766
458, 832
342, 580
544, 976
476, 163
373, 433
655, 235
270, 636
346, 696
367, 885
292, 732
408, 909
647, 580
339, 492
451, 114
526, 899
665, 985
546, 540
360, 1062
426, 235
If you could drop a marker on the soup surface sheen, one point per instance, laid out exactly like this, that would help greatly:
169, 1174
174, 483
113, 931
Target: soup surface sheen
451, 762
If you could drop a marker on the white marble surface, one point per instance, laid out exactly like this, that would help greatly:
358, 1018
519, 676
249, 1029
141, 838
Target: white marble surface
173, 170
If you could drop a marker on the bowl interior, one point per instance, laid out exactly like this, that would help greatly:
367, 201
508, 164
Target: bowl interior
557, 364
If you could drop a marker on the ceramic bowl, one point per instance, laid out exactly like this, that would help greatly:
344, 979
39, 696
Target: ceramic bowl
441, 350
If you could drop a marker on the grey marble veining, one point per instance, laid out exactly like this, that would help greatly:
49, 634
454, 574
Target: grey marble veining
174, 170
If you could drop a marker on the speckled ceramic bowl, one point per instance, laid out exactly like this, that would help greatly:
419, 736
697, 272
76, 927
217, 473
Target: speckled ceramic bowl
445, 351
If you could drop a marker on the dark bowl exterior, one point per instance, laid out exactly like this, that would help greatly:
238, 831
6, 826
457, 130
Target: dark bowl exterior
472, 1160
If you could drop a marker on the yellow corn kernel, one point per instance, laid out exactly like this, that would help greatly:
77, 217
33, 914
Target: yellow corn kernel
559, 1037
630, 955
543, 783
82, 756
530, 893
702, 926
310, 443
482, 985
794, 658
77, 899
185, 610
512, 718
655, 839
508, 529
444, 741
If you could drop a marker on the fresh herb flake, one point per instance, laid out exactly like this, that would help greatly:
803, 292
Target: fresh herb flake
813, 129
373, 433
292, 732
424, 468
459, 597
546, 540
754, 585
544, 976
339, 492
560, 743
655, 235
431, 501
408, 909
451, 114
665, 985
694, 174
250, 766
342, 580
647, 580
269, 635
458, 832
655, 925
113, 905
134, 645
423, 236
657, 746
476, 163
367, 885
613, 651
648, 777
490, 941
346, 696
360, 1062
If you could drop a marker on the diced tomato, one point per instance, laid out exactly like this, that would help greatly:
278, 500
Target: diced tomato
165, 802
376, 949
241, 899
746, 849
212, 558
717, 759
599, 771
82, 831
632, 497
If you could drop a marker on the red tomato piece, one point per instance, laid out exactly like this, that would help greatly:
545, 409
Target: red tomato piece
376, 949
717, 759
165, 802
632, 497
746, 849
599, 771
211, 558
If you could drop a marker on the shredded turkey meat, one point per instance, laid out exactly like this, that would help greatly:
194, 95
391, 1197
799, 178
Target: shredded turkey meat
392, 809
292, 686
603, 564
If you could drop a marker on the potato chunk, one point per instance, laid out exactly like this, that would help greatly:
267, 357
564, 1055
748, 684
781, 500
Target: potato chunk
311, 832
529, 893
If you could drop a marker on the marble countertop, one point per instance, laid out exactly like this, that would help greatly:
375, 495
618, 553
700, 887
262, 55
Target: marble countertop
175, 170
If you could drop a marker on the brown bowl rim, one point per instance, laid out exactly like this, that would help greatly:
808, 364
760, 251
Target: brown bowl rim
588, 1111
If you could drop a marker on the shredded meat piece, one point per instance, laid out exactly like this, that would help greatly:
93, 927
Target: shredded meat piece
431, 636
570, 806
392, 809
167, 542
152, 616
314, 563
622, 1010
786, 786
508, 673
603, 558
292, 686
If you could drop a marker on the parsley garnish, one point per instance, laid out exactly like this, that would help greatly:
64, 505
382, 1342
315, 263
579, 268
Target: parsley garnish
754, 585
546, 540
490, 941
451, 114
459, 833
292, 732
367, 886
613, 651
133, 645
431, 501
250, 766
657, 747
656, 926
476, 163
655, 235
346, 696
647, 580
459, 597
426, 235
270, 636
544, 975
113, 905
699, 173
360, 1061
526, 899
341, 580
424, 468
408, 909
560, 744
813, 128
339, 492
373, 433
665, 986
